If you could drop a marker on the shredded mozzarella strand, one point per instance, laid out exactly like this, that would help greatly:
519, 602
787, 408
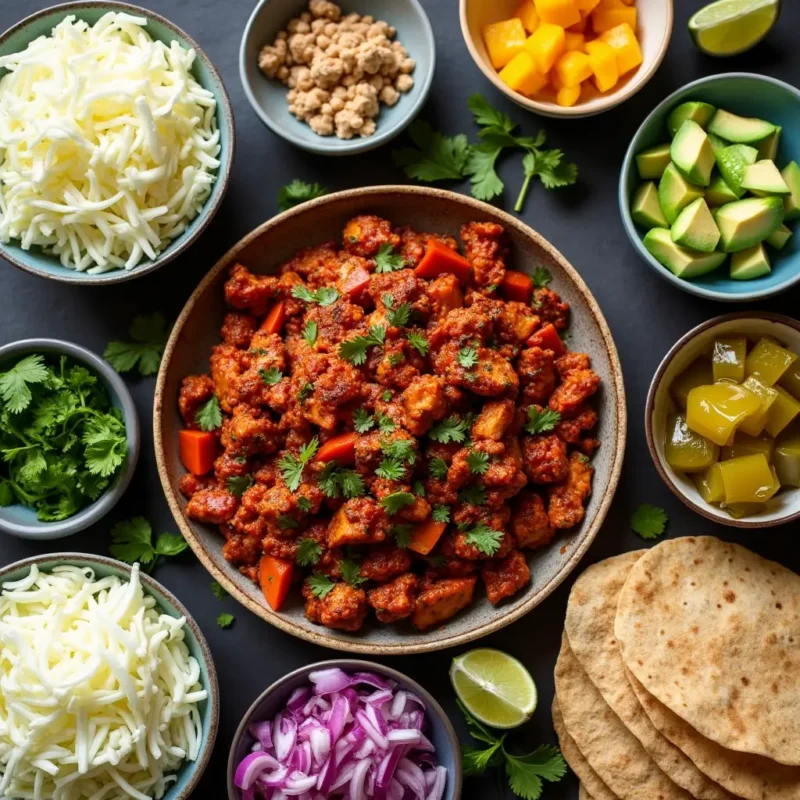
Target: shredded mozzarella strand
98, 690
108, 144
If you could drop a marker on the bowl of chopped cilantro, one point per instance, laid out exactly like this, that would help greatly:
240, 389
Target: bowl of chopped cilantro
69, 438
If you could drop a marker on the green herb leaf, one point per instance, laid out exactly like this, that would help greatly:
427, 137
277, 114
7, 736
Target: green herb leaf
106, 445
306, 390
541, 421
297, 192
476, 495
483, 538
170, 544
418, 342
349, 571
149, 334
133, 541
391, 470
402, 535
399, 316
525, 773
335, 481
386, 260
438, 468
285, 522
477, 761
487, 116
400, 449
270, 376
440, 514
649, 522
237, 485
541, 277
218, 591
291, 466
304, 504
436, 157
450, 429
320, 585
396, 501
355, 350
481, 168
14, 387
418, 488
324, 296
225, 620
309, 552
209, 416
362, 420
478, 462
385, 423
310, 333
467, 357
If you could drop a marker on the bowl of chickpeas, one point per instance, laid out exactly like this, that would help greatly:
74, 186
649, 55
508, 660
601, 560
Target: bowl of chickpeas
333, 80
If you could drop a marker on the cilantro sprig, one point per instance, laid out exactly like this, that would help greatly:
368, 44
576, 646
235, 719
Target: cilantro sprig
291, 465
324, 296
362, 420
649, 522
386, 260
542, 421
392, 503
309, 552
133, 541
355, 350
418, 342
297, 192
209, 416
320, 585
450, 429
478, 462
335, 481
149, 335
467, 357
225, 620
483, 538
440, 513
438, 468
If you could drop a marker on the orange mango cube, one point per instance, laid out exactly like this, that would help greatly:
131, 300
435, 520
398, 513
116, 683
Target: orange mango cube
521, 74
586, 6
504, 40
623, 42
603, 61
573, 68
568, 95
558, 12
580, 27
547, 44
527, 13
604, 19
574, 41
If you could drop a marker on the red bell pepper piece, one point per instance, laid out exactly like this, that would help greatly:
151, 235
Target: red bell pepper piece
440, 258
198, 450
517, 286
273, 322
340, 448
548, 339
275, 577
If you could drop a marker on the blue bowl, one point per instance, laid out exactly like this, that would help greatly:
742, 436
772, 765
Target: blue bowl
749, 96
191, 771
268, 97
440, 730
41, 23
19, 520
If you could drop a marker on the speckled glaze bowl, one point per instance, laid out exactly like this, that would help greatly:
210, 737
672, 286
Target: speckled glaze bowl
273, 699
41, 23
263, 250
191, 771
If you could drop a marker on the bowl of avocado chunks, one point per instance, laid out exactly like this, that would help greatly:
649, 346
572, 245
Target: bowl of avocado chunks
710, 187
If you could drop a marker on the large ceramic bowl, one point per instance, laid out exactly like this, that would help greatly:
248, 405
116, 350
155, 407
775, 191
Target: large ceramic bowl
41, 23
750, 96
425, 209
190, 773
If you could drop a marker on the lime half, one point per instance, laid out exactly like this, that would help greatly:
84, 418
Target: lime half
494, 687
729, 27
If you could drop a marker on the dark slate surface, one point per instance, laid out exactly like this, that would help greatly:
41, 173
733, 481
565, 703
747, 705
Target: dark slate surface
646, 316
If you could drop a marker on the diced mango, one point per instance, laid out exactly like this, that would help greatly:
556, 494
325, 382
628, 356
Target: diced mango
586, 5
748, 479
567, 96
504, 40
603, 61
623, 42
580, 27
574, 41
558, 12
709, 484
604, 19
547, 44
521, 74
573, 68
769, 361
629, 2
527, 13
782, 412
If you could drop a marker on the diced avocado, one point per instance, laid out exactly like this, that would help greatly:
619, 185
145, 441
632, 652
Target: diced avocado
719, 193
675, 193
679, 260
743, 130
750, 263
645, 209
700, 113
747, 222
695, 228
692, 154
732, 162
763, 178
779, 237
791, 205
717, 144
768, 149
652, 162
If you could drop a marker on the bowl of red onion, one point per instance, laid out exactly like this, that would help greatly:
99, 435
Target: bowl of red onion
345, 729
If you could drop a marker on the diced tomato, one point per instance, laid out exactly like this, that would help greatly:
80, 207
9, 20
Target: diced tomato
440, 258
273, 322
340, 448
425, 535
198, 450
517, 286
548, 339
275, 577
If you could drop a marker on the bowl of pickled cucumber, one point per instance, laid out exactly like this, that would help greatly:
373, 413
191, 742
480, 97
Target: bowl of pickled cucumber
723, 419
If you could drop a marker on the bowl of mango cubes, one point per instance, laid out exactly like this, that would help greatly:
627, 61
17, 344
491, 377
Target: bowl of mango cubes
723, 419
710, 187
567, 58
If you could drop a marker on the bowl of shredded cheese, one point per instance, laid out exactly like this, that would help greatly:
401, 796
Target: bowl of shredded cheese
107, 686
116, 142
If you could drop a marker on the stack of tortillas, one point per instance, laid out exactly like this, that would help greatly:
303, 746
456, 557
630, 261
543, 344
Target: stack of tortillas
679, 676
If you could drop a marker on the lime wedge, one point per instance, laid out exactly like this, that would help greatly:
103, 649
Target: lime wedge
494, 687
729, 27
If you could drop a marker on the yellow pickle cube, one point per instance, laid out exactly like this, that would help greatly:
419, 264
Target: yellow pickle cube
685, 450
748, 479
716, 411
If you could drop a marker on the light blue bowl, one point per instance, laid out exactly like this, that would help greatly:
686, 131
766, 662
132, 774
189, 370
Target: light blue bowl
41, 24
268, 97
750, 96
191, 771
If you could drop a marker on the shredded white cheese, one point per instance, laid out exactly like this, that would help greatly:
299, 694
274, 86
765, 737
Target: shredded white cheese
108, 144
98, 690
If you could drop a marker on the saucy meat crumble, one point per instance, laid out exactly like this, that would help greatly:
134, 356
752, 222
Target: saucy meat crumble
389, 423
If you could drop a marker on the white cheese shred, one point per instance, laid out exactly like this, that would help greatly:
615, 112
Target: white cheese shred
108, 145
98, 691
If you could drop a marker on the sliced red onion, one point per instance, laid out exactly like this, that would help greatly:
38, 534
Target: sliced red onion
262, 733
437, 791
386, 769
371, 679
284, 735
276, 778
371, 731
298, 783
298, 699
396, 791
251, 767
398, 705
403, 736
327, 681
340, 711
357, 789
379, 698
320, 741
377, 719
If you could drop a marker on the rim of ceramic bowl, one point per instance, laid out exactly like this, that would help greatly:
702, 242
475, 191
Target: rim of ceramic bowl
655, 384
623, 196
357, 145
599, 106
111, 496
212, 204
616, 438
348, 665
155, 589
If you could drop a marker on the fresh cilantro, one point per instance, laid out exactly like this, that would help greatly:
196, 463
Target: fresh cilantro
436, 157
237, 485
209, 416
401, 535
391, 470
325, 296
355, 350
541, 277
349, 571
14, 389
541, 421
400, 449
335, 481
291, 465
450, 429
481, 168
362, 420
310, 333
550, 168
385, 423
306, 390
218, 591
387, 396
440, 514
309, 552
386, 260
488, 116
320, 585
304, 504
478, 462
133, 541
438, 468
476, 495
418, 342
418, 488
467, 357
297, 192
149, 336
483, 538
399, 316
395, 501
394, 360
649, 522
388, 300
270, 376
286, 523
225, 620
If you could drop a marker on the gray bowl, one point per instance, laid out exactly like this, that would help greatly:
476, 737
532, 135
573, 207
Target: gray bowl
440, 730
19, 520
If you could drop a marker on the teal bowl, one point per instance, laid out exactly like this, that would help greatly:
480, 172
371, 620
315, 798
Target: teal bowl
268, 97
41, 23
191, 771
750, 96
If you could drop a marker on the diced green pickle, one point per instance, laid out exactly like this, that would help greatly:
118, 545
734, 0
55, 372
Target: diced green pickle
685, 450
769, 361
728, 358
790, 380
782, 412
754, 424
709, 484
698, 373
744, 445
715, 411
748, 479
787, 457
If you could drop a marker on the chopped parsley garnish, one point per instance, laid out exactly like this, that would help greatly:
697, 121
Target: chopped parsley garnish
391, 470
355, 350
438, 468
394, 502
320, 585
476, 495
467, 357
483, 538
324, 296
385, 423
297, 192
310, 333
541, 277
401, 534
349, 571
440, 514
400, 449
541, 421
238, 484
336, 481
291, 465
399, 316
306, 390
362, 420
478, 462
649, 522
133, 541
309, 552
270, 376
144, 353
209, 416
418, 342
285, 522
225, 620
386, 260
450, 429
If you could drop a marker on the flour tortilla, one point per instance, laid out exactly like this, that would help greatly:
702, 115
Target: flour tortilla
748, 776
713, 631
583, 794
589, 627
612, 751
590, 782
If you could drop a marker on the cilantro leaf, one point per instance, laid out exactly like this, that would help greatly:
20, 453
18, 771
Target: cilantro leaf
355, 350
170, 544
484, 539
418, 488
525, 773
225, 620
488, 116
297, 192
149, 334
399, 316
467, 357
440, 514
106, 444
310, 333
335, 481
291, 465
436, 157
450, 429
475, 495
402, 535
320, 585
548, 166
209, 416
386, 260
285, 522
396, 501
418, 342
478, 462
541, 421
486, 183
362, 420
649, 522
270, 376
306, 390
541, 277
237, 485
324, 296
309, 552
349, 571
304, 504
218, 591
477, 761
385, 423
14, 389
438, 468
391, 470
386, 396
400, 449
132, 541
